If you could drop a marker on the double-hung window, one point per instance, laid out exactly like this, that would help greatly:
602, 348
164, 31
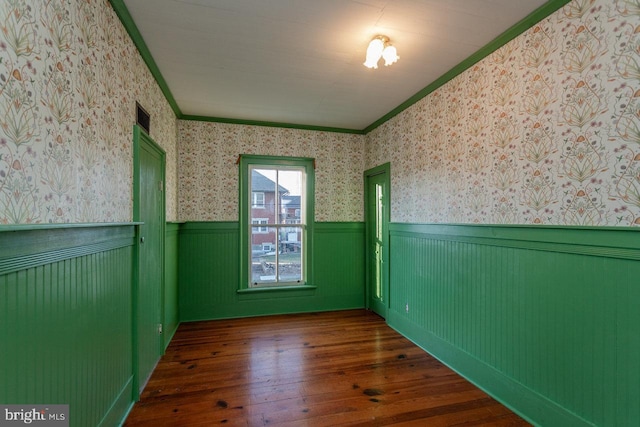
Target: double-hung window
258, 229
276, 215
258, 199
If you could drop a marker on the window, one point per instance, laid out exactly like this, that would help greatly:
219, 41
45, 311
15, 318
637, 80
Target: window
258, 200
260, 230
268, 185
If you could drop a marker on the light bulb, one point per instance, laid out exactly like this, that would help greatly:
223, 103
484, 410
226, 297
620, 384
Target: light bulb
374, 52
390, 55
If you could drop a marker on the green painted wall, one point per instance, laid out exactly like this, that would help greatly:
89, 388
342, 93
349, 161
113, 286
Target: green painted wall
66, 328
209, 265
546, 319
171, 315
543, 318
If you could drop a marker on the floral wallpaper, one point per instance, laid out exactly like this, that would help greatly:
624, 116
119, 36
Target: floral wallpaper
208, 183
546, 130
69, 79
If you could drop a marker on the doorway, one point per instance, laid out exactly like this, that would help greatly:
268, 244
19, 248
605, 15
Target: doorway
377, 206
149, 210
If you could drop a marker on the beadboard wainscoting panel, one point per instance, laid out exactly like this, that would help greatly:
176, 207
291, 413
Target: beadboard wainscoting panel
66, 319
339, 264
207, 268
209, 273
171, 315
545, 319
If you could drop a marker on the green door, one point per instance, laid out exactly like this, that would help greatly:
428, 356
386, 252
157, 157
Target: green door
149, 209
377, 219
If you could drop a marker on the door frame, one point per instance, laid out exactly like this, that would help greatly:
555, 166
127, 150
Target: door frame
384, 169
140, 139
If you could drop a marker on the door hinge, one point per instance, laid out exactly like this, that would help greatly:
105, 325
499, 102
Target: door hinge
161, 185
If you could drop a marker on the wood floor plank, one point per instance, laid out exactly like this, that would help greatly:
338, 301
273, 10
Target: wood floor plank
320, 369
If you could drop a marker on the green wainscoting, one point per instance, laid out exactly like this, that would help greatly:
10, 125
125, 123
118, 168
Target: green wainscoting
171, 317
546, 319
66, 320
209, 265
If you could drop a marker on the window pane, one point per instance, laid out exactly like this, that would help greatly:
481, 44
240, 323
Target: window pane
263, 195
290, 256
292, 201
263, 255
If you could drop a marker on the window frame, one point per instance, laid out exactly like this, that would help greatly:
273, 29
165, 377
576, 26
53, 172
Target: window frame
245, 205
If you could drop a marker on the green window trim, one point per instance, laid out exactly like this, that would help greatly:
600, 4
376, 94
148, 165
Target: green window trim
244, 199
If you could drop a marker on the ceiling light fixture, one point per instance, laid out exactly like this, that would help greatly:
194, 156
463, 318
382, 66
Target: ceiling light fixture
380, 47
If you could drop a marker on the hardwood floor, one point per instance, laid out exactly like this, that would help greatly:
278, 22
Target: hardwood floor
324, 369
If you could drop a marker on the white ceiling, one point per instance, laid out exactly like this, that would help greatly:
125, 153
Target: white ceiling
300, 61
